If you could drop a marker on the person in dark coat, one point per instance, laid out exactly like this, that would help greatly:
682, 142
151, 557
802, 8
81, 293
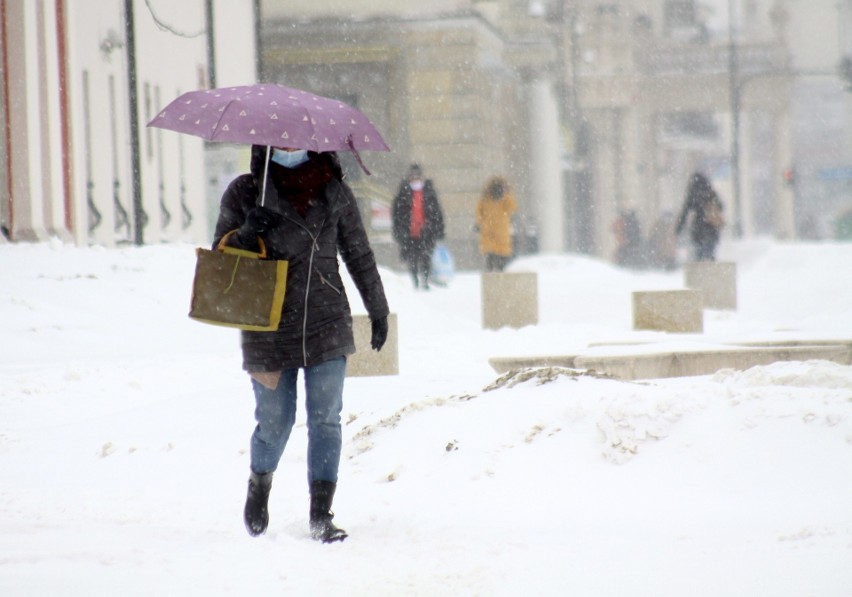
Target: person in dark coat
307, 216
703, 202
418, 224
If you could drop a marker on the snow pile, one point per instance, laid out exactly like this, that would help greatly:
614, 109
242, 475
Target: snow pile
124, 431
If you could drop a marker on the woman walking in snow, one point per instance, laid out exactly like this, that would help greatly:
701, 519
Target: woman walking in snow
308, 215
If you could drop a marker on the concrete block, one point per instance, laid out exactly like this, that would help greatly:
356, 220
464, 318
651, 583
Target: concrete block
665, 363
509, 299
629, 366
707, 362
366, 362
717, 282
678, 311
505, 364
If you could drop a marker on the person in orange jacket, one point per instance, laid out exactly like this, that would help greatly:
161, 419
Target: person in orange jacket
494, 223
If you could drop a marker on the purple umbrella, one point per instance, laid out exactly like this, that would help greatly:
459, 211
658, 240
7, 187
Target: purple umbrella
272, 115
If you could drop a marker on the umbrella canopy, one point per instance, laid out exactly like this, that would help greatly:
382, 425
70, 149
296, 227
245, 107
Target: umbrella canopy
272, 115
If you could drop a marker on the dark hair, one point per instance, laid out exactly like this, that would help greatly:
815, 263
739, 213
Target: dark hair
496, 189
699, 180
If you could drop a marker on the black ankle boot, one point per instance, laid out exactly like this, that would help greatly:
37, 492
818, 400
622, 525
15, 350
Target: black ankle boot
322, 529
257, 511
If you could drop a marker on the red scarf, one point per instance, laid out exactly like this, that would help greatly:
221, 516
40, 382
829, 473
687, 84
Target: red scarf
417, 217
303, 185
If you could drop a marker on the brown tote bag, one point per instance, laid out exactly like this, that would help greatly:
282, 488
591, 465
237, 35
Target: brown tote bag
238, 288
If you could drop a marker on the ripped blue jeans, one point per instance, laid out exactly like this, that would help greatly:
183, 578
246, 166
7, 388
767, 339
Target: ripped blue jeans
275, 414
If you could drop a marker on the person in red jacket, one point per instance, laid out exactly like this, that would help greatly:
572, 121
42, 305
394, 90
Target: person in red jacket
418, 224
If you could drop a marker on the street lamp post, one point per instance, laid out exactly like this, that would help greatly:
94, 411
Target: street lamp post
211, 44
140, 218
258, 42
736, 98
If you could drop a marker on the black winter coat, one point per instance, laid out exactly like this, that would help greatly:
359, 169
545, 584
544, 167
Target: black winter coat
699, 196
316, 322
433, 227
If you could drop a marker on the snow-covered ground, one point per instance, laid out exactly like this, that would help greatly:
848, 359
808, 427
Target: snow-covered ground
124, 429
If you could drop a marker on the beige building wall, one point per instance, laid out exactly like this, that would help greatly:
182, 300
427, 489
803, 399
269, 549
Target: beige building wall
440, 89
459, 82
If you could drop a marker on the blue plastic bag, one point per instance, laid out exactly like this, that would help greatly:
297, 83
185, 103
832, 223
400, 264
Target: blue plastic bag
443, 266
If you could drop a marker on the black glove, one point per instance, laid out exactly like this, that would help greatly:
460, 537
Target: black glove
380, 332
258, 221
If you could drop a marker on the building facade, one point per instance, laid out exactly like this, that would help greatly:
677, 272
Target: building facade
589, 107
661, 95
465, 89
80, 79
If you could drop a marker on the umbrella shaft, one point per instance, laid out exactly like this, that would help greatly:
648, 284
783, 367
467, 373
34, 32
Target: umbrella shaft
265, 174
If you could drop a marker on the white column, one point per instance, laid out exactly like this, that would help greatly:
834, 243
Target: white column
50, 161
27, 208
545, 165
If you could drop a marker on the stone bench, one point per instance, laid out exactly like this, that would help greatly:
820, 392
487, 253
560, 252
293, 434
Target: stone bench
678, 311
509, 299
367, 362
707, 362
717, 282
666, 363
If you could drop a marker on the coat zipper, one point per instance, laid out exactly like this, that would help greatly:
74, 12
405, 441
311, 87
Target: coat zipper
308, 287
327, 283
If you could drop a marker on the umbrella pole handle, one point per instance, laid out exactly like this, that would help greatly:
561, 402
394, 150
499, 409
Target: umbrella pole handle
351, 145
265, 174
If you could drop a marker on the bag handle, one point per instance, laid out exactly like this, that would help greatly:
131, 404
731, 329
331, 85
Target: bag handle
225, 248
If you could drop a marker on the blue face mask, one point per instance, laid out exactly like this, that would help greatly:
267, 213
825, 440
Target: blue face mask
289, 159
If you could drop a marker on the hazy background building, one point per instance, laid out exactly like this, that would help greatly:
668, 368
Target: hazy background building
465, 89
588, 107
